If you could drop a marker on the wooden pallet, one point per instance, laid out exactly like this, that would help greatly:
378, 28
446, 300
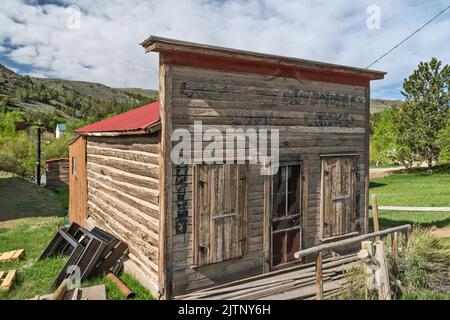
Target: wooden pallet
11, 255
7, 279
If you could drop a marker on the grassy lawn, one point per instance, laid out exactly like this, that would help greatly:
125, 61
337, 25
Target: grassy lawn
35, 277
415, 189
20, 198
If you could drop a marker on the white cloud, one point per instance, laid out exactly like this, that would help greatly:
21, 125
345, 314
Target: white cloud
105, 49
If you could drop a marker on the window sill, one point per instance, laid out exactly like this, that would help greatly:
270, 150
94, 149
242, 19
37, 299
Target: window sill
341, 237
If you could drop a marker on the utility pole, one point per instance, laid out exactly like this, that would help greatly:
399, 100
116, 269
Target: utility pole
38, 156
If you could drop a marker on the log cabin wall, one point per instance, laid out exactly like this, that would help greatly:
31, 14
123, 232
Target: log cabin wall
123, 196
57, 173
315, 118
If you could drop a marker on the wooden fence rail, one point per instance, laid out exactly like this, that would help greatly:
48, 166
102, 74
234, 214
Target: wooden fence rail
419, 209
318, 250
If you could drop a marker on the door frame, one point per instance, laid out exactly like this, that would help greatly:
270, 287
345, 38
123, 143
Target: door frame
268, 220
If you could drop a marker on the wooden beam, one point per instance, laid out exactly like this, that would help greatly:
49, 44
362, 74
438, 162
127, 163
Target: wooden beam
416, 209
165, 177
342, 243
266, 224
319, 280
382, 273
376, 226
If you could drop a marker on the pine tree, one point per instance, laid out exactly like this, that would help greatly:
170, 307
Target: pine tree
425, 111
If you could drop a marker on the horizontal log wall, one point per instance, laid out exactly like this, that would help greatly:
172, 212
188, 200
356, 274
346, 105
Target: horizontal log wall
57, 174
313, 118
123, 194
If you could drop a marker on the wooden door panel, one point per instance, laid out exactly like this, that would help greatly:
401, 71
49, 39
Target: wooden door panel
338, 196
221, 210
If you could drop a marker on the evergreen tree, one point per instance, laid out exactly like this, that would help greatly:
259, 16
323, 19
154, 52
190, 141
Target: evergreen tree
425, 112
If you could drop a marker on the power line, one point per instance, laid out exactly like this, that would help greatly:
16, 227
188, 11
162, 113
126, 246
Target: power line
408, 37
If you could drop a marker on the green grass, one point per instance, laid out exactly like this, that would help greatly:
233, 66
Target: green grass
414, 189
36, 277
20, 198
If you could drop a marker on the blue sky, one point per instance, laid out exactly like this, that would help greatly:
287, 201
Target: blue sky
93, 40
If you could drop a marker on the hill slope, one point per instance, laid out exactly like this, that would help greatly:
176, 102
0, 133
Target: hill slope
66, 98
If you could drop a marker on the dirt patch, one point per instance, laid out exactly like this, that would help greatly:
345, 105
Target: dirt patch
9, 224
442, 233
382, 174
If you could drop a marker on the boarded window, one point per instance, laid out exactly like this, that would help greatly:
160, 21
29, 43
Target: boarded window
220, 212
338, 196
286, 214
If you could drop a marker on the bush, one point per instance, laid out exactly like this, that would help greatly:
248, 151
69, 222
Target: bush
424, 264
58, 148
17, 155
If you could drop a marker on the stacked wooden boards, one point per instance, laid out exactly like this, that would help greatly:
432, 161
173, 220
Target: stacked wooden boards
11, 255
7, 279
295, 283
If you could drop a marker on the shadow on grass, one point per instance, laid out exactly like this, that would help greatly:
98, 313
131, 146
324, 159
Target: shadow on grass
376, 184
20, 198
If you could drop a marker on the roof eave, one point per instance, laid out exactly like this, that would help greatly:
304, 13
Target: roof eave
159, 44
149, 129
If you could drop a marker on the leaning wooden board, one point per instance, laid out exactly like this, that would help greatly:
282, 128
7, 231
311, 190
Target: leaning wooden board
7, 279
11, 255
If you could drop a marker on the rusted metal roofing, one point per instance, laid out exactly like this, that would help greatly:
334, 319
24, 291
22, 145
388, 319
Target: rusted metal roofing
137, 119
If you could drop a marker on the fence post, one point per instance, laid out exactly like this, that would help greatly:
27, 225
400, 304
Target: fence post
376, 226
319, 282
382, 273
394, 244
368, 271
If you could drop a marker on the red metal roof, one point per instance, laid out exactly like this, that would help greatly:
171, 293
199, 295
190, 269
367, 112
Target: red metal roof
136, 119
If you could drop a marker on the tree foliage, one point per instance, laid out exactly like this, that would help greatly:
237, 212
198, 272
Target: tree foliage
418, 130
425, 112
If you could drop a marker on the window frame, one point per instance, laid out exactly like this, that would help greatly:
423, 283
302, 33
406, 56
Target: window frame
300, 214
74, 166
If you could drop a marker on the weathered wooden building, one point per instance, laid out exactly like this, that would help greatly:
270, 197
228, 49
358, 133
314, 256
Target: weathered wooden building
57, 173
194, 225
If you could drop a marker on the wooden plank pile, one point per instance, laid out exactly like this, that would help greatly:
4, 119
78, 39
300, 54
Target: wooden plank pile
97, 292
11, 255
7, 279
91, 253
294, 283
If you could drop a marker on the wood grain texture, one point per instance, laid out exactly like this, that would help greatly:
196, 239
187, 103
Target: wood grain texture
123, 194
308, 115
78, 191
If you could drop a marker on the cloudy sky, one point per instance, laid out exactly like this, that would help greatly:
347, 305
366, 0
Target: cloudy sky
98, 40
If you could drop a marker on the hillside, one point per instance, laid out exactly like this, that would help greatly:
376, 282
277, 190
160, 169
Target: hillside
378, 105
65, 98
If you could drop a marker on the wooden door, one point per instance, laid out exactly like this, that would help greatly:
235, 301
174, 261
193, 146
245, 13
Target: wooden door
220, 217
78, 210
286, 215
338, 196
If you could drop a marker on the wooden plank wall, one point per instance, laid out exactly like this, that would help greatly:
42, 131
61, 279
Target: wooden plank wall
314, 118
123, 197
78, 182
